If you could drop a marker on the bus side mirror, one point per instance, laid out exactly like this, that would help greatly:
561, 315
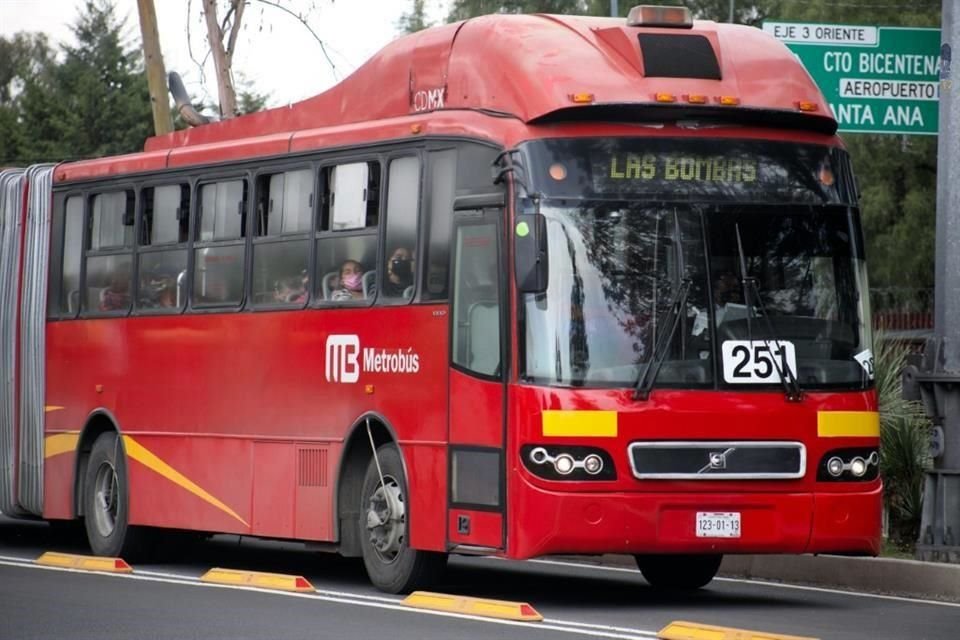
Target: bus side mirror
530, 251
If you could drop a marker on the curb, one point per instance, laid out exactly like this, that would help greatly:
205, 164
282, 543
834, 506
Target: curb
889, 576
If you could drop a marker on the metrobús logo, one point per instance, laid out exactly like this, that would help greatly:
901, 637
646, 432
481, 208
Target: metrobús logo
344, 362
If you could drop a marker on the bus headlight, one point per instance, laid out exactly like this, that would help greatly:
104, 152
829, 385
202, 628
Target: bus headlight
593, 464
858, 467
856, 464
835, 466
564, 464
571, 462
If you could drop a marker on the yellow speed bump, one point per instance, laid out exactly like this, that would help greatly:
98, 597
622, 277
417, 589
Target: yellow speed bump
279, 581
696, 631
86, 563
502, 609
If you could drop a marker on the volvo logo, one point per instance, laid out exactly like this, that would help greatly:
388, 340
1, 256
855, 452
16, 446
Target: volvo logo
717, 460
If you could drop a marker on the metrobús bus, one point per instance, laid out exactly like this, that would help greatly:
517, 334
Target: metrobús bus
520, 285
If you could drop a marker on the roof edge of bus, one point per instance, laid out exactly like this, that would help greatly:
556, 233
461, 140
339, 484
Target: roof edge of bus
533, 67
692, 116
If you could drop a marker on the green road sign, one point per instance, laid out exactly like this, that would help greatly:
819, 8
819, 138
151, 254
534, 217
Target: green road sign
876, 79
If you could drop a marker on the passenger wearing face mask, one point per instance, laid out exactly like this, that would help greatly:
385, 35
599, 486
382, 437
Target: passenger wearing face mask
399, 273
351, 282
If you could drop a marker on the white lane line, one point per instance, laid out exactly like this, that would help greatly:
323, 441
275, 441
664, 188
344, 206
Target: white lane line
582, 629
761, 583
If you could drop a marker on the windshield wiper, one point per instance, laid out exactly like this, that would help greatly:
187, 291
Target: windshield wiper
791, 386
649, 374
678, 303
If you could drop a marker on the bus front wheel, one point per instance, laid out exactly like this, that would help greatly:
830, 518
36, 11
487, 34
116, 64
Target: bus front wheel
390, 562
106, 500
679, 571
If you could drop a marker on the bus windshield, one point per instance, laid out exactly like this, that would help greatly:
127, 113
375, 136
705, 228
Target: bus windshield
617, 265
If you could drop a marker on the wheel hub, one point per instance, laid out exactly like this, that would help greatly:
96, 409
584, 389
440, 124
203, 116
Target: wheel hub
106, 499
387, 519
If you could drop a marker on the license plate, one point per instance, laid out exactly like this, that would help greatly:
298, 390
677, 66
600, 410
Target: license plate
718, 525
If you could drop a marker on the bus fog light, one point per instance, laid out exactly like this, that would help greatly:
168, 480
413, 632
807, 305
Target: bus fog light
835, 466
539, 455
593, 464
564, 464
858, 467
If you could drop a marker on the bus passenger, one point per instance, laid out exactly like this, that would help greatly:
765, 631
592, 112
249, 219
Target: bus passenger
399, 273
116, 296
159, 288
291, 290
350, 286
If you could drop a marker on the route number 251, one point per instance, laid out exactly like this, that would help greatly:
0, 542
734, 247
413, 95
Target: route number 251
757, 361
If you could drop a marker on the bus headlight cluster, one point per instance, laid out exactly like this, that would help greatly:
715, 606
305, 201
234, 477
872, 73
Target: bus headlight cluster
849, 464
568, 463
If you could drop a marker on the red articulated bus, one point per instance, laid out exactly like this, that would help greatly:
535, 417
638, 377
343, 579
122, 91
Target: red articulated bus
520, 285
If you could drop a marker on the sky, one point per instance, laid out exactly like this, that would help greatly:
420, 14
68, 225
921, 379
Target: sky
274, 51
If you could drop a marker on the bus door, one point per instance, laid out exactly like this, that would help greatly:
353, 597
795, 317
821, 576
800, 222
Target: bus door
476, 505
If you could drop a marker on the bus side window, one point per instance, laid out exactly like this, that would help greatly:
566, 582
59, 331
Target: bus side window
347, 233
72, 256
403, 199
109, 256
220, 247
476, 300
162, 258
443, 177
281, 249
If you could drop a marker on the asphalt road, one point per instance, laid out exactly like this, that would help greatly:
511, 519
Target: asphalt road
166, 600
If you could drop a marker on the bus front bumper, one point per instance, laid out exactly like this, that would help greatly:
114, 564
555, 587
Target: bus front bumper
547, 522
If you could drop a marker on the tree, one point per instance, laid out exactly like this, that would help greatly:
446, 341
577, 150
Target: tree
22, 57
415, 19
222, 35
93, 103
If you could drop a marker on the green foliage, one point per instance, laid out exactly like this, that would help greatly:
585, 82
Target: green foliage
92, 102
415, 19
904, 442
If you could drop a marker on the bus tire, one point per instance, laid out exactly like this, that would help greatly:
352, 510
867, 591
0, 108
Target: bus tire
681, 572
390, 562
107, 500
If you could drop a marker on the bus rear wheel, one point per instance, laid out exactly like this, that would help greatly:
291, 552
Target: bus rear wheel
106, 501
683, 572
390, 562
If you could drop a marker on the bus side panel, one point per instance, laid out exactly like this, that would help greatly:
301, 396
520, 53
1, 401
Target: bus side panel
58, 474
198, 482
427, 477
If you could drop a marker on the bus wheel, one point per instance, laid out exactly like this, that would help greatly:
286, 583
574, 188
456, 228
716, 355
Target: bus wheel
390, 562
679, 571
106, 500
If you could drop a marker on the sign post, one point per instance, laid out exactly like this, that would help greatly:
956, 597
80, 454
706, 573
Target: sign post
875, 79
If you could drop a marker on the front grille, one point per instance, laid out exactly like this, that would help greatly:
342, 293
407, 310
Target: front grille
733, 460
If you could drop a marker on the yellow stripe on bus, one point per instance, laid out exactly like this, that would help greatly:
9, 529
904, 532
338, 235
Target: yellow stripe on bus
848, 424
591, 424
60, 443
141, 454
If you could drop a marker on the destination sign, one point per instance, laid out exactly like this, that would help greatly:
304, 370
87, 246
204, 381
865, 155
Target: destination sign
648, 166
690, 169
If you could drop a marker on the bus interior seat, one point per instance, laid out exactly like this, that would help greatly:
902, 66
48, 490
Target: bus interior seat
95, 298
483, 331
369, 280
327, 284
73, 300
408, 293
